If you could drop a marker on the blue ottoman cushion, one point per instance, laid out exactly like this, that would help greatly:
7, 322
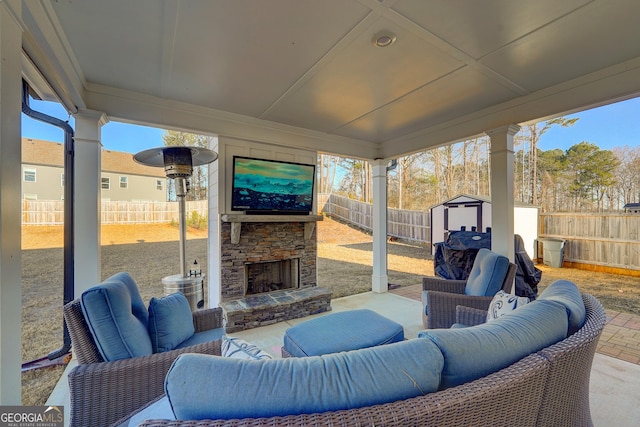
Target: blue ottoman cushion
344, 331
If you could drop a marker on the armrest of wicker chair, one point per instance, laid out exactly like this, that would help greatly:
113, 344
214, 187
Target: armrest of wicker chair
443, 285
102, 393
441, 307
470, 316
210, 318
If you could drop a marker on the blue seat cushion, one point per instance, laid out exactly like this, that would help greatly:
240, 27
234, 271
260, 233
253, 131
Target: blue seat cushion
117, 318
487, 274
567, 294
211, 387
202, 337
474, 352
344, 331
170, 322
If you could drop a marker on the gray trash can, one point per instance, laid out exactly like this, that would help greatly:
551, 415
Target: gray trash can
553, 252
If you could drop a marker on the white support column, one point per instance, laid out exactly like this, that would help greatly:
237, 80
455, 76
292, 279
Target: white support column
502, 186
380, 279
86, 208
10, 207
215, 205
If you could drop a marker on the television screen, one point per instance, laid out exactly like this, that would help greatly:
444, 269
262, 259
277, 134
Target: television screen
269, 186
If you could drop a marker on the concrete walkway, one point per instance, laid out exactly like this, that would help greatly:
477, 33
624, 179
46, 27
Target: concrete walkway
620, 338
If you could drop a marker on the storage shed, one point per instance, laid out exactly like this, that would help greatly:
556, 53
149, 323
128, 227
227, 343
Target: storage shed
474, 213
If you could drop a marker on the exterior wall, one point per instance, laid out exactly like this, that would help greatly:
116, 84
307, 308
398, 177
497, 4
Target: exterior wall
48, 184
139, 188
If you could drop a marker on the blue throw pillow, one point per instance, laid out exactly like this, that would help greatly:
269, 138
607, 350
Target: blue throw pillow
211, 387
170, 322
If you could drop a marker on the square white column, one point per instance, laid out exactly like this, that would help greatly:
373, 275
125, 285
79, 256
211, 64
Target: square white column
502, 188
87, 200
10, 206
380, 279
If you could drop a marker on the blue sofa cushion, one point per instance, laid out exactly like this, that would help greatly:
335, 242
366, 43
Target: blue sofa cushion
344, 331
567, 294
487, 274
472, 353
117, 318
211, 387
170, 322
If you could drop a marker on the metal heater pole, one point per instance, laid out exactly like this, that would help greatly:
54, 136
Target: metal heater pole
181, 192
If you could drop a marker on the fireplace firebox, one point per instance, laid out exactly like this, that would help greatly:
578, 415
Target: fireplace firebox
269, 276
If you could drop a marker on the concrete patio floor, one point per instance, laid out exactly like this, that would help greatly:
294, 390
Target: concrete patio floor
615, 383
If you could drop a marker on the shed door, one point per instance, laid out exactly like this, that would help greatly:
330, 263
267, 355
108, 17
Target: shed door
467, 215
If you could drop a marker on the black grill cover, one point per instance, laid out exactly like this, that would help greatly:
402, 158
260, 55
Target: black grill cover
454, 258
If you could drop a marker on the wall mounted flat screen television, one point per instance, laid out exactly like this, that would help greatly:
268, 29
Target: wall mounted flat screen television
272, 187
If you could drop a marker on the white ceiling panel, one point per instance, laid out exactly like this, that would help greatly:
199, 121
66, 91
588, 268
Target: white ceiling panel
566, 49
306, 73
362, 78
434, 103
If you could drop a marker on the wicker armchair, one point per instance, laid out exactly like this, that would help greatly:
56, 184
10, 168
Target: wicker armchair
441, 296
103, 392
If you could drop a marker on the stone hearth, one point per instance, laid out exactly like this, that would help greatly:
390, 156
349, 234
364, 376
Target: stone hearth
262, 239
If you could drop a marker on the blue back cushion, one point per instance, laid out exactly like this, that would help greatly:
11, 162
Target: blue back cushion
487, 274
472, 353
117, 318
170, 322
211, 387
567, 294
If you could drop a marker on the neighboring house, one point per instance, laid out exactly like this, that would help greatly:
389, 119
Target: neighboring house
122, 179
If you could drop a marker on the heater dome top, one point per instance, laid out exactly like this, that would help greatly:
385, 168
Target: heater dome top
156, 156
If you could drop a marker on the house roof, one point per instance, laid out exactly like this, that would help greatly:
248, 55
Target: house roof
48, 153
307, 75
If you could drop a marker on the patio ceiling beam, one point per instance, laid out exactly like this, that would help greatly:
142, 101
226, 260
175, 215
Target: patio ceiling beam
132, 107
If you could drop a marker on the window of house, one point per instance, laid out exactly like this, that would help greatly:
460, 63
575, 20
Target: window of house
61, 180
106, 183
124, 183
29, 175
159, 184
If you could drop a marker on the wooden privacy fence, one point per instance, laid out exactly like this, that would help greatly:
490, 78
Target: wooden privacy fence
403, 224
51, 212
606, 239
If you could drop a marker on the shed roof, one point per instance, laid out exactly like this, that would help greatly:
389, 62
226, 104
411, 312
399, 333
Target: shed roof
485, 199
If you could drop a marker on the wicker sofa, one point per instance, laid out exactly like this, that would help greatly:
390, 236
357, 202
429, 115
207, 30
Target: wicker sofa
549, 387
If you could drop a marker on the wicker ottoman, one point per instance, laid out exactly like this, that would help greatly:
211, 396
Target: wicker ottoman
344, 331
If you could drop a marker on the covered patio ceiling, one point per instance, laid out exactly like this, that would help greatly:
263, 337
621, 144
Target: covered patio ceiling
306, 73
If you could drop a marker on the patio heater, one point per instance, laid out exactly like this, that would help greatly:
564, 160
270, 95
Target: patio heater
178, 163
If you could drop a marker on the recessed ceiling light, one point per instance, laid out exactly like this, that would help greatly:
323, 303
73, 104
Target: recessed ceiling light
383, 39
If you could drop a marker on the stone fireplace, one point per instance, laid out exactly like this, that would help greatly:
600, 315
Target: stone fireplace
268, 269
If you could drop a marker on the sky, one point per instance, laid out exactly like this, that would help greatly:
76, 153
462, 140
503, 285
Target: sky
614, 125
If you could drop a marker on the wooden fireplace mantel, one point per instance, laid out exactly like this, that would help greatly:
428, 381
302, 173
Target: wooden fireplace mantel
236, 221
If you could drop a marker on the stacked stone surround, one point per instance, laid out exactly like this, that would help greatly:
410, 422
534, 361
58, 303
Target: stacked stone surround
263, 242
273, 307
